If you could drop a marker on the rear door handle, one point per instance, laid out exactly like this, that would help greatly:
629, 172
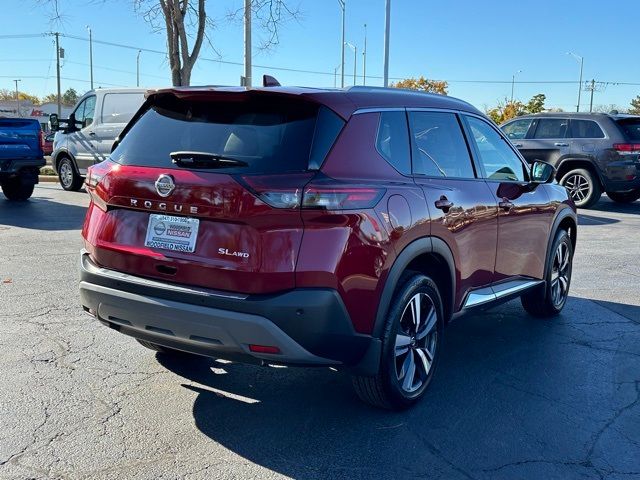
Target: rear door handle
505, 205
518, 145
444, 204
92, 134
561, 144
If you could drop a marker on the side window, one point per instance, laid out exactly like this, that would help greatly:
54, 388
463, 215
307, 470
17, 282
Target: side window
438, 145
392, 141
79, 112
120, 107
552, 128
585, 129
500, 162
517, 129
89, 111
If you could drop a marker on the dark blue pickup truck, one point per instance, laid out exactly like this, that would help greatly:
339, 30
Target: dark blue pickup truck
21, 156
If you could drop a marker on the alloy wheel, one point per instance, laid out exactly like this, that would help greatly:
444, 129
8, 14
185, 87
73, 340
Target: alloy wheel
578, 187
66, 174
416, 342
560, 274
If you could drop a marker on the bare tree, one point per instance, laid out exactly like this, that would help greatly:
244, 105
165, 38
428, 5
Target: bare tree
186, 23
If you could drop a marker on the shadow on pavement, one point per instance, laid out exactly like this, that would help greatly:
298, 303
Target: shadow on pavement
590, 220
606, 205
512, 392
41, 213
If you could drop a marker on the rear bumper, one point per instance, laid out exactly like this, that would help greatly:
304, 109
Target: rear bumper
622, 176
309, 326
22, 166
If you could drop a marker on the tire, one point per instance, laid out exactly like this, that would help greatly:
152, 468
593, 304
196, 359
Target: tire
624, 197
69, 177
159, 348
583, 187
549, 299
410, 356
16, 191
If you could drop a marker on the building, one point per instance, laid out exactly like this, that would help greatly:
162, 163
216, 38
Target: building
9, 109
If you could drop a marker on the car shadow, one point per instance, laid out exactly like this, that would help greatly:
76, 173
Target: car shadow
607, 205
504, 392
41, 213
590, 220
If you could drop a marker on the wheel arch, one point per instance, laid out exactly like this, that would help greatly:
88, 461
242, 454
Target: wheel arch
571, 163
565, 219
59, 155
428, 255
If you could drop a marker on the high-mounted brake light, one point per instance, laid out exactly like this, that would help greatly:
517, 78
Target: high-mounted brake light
627, 148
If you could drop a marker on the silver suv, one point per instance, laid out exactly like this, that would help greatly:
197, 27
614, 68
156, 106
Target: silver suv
88, 134
592, 152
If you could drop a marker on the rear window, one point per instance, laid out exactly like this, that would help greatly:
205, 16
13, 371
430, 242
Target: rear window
631, 128
270, 136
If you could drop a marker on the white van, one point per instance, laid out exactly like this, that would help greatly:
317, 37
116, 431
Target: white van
87, 135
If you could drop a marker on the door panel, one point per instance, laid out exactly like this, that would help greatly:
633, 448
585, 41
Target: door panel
469, 227
525, 212
548, 142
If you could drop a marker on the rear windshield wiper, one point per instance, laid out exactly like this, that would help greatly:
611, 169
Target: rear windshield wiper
205, 160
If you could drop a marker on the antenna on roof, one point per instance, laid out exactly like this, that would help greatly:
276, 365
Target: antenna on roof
269, 81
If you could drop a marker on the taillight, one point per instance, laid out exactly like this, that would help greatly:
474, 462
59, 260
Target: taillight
278, 191
300, 191
627, 148
41, 138
95, 173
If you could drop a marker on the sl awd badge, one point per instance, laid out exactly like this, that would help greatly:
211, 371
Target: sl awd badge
225, 251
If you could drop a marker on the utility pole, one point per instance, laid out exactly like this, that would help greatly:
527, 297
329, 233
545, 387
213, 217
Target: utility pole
387, 24
247, 43
581, 60
18, 113
513, 83
355, 60
593, 87
335, 76
90, 56
58, 72
364, 57
138, 68
343, 6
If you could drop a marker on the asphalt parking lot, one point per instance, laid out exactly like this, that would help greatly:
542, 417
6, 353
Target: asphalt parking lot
515, 397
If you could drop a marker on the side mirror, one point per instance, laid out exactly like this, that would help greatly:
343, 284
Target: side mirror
54, 122
542, 172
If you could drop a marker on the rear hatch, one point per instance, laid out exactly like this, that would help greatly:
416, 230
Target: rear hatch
205, 190
19, 139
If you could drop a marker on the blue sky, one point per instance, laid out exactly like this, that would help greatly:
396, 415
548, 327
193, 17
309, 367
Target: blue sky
458, 40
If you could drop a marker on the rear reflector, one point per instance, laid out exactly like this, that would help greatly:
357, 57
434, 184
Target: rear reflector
264, 349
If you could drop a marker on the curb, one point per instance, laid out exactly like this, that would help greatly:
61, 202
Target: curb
47, 179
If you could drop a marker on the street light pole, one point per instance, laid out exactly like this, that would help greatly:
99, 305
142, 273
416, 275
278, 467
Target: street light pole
58, 72
355, 59
387, 24
364, 57
18, 113
581, 60
90, 56
343, 6
138, 68
513, 83
247, 43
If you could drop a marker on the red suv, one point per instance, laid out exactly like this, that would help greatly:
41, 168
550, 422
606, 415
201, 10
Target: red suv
315, 227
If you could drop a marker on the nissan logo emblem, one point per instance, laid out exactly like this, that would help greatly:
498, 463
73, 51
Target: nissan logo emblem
165, 185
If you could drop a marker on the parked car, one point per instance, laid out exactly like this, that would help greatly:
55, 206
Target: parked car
21, 156
90, 131
592, 152
314, 227
47, 143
